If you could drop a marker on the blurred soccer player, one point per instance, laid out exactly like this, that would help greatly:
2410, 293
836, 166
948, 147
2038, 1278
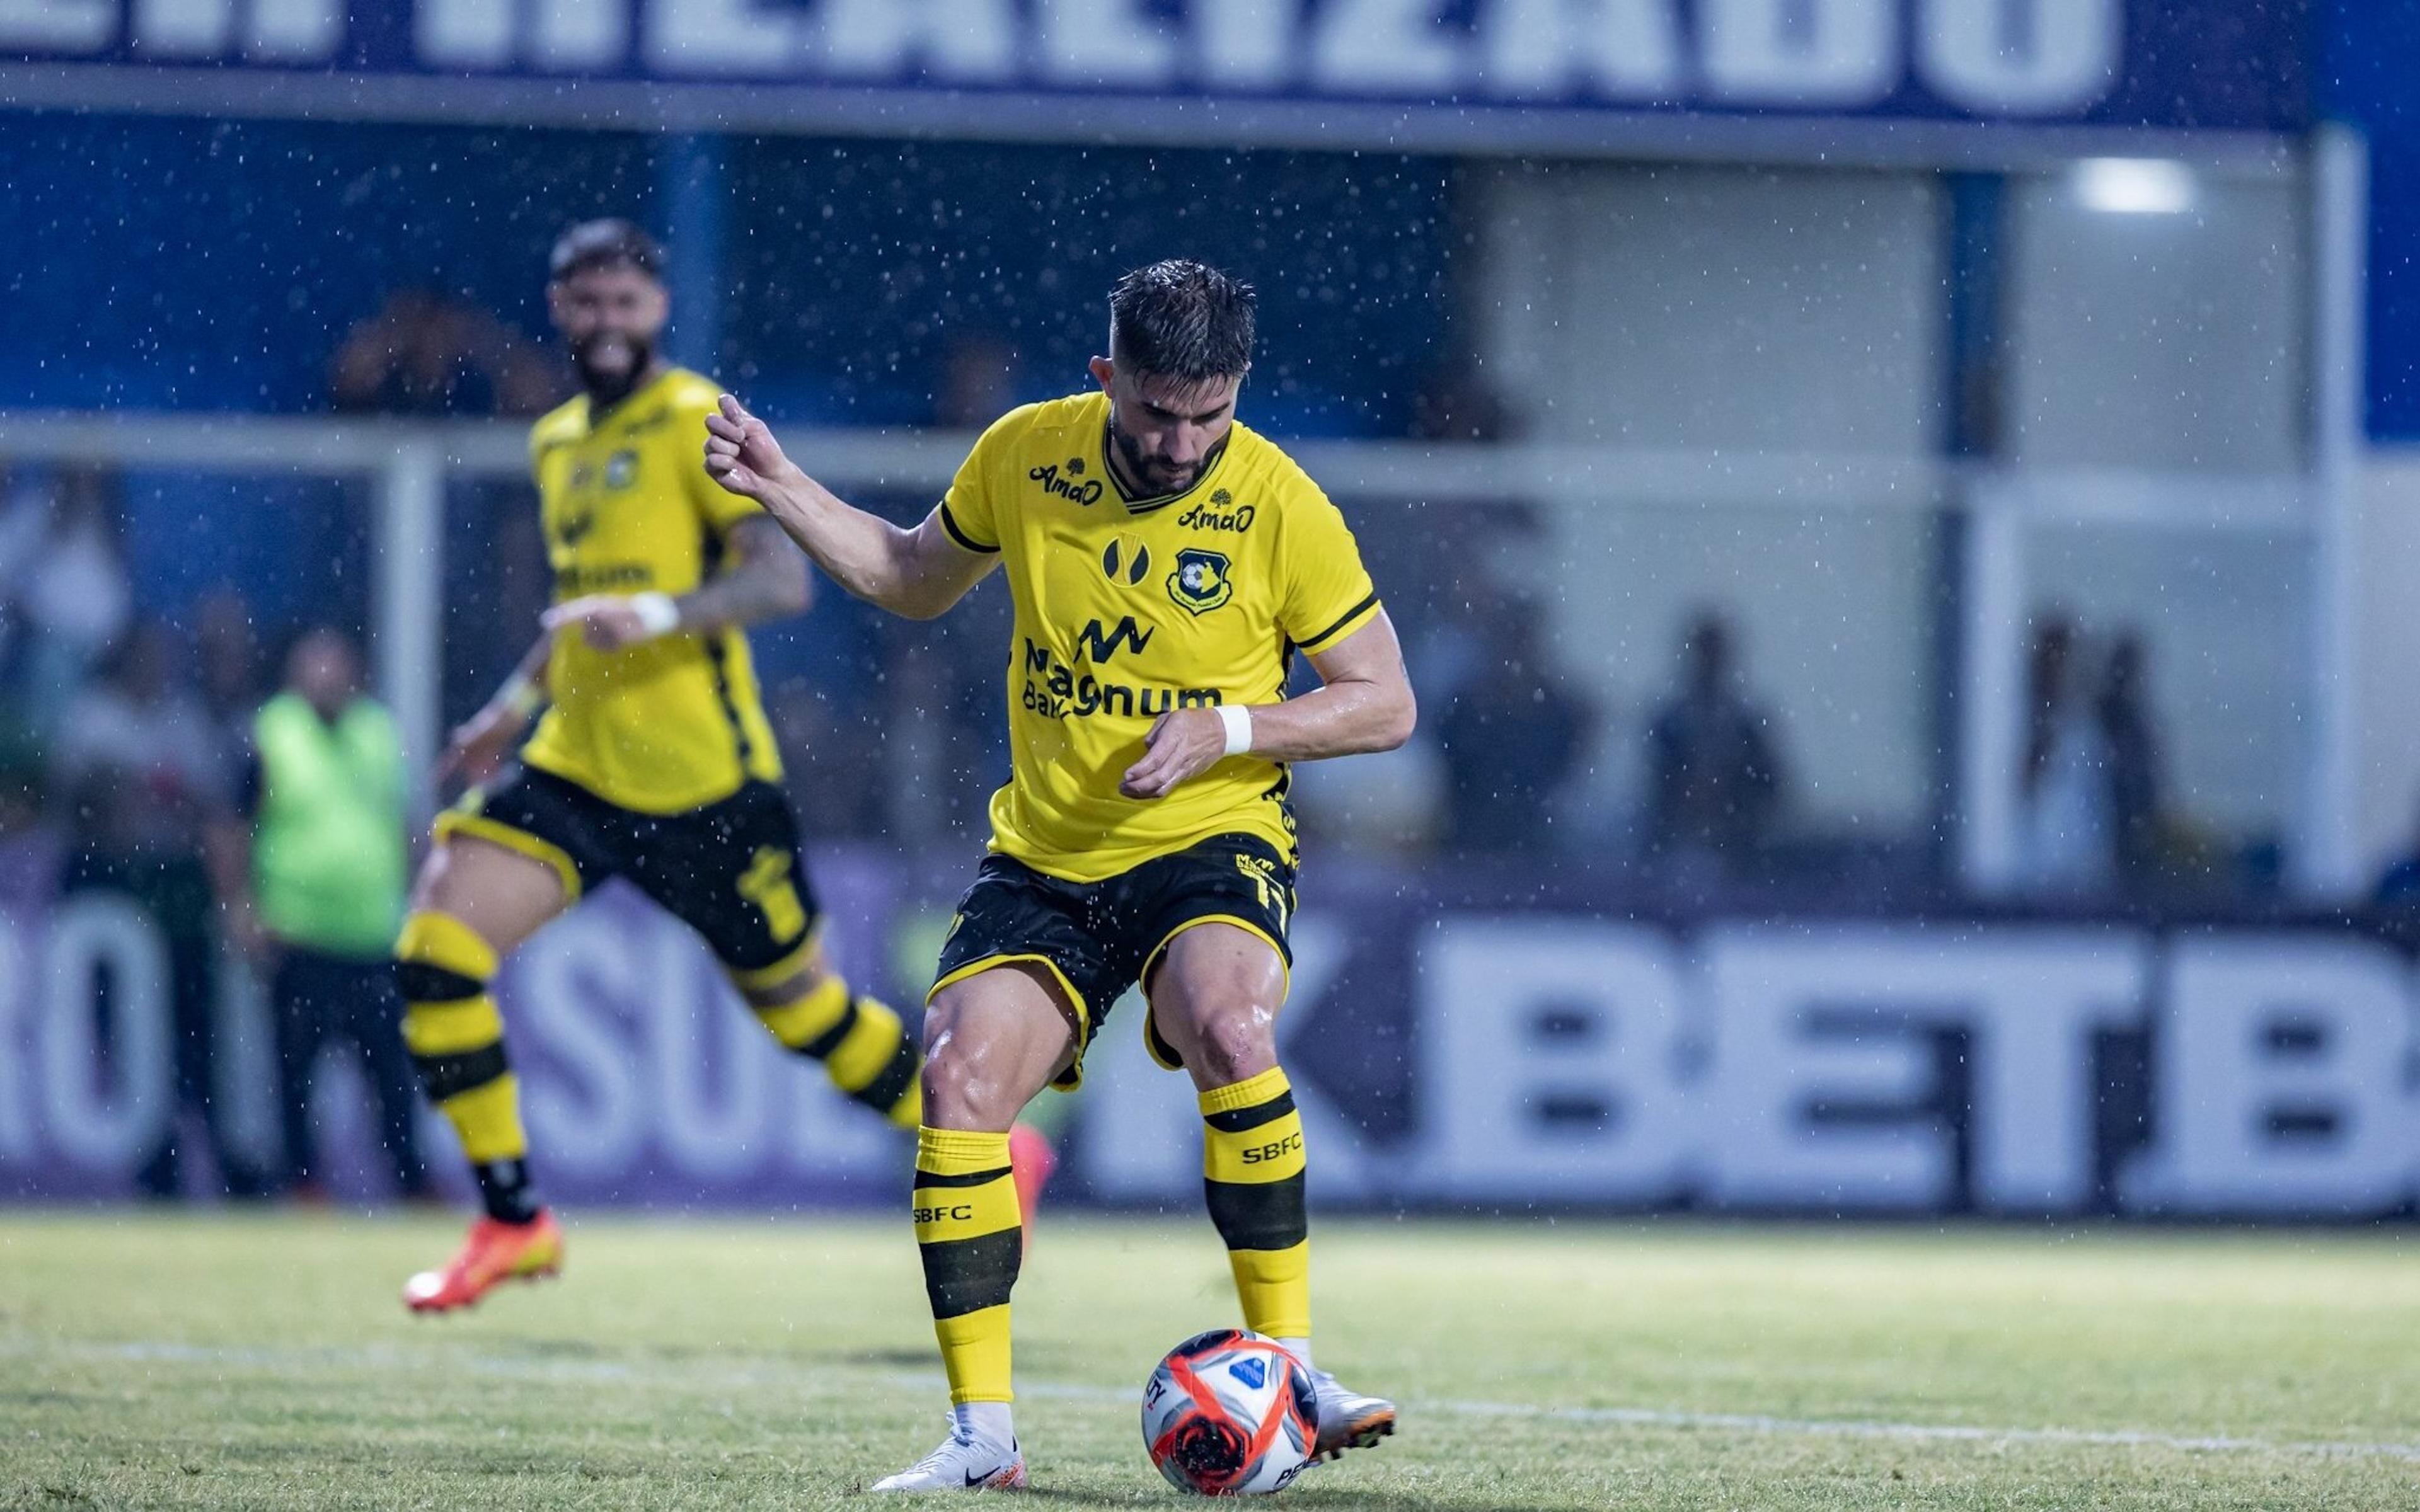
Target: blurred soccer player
1165, 564
652, 761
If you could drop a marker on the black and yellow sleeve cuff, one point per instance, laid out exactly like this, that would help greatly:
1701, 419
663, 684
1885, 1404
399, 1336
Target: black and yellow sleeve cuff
959, 534
1344, 624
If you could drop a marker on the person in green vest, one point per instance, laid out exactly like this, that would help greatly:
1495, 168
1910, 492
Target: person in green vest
326, 881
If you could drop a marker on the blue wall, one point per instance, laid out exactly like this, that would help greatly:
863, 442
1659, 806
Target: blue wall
216, 265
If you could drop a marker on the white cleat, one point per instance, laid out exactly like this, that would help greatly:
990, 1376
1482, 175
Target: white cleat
1347, 1419
962, 1463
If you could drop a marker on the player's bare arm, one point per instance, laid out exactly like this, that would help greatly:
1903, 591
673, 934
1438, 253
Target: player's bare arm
479, 744
917, 572
1364, 703
763, 582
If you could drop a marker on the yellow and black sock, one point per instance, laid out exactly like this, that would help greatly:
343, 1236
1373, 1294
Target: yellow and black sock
457, 1040
971, 1236
1251, 1171
865, 1049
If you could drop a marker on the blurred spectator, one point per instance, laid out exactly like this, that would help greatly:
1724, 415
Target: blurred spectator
62, 552
226, 661
134, 764
427, 352
2067, 823
1511, 737
316, 885
1713, 772
2135, 815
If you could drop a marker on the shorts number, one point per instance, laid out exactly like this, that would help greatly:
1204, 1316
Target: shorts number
766, 884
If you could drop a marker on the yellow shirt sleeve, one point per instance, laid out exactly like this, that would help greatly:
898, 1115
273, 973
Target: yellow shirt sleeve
1328, 594
969, 511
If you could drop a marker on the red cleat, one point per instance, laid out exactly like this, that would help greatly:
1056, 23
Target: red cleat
1030, 1160
496, 1252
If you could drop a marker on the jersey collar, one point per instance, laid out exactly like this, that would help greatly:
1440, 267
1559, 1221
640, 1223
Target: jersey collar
599, 419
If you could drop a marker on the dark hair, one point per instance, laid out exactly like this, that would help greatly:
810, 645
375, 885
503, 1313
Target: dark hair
1183, 320
608, 243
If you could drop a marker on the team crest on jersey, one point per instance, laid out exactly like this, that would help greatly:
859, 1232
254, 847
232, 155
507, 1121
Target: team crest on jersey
1127, 561
621, 470
1199, 583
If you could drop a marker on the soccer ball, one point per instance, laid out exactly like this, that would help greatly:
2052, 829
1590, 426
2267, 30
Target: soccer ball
1230, 1413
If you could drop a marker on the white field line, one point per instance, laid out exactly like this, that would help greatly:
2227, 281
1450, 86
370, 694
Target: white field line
658, 1371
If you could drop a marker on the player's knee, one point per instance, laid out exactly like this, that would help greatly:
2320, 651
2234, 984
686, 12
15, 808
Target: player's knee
959, 1090
1232, 1046
954, 1089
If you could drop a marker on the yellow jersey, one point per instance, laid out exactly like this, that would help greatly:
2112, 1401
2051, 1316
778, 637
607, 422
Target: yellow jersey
673, 723
1129, 607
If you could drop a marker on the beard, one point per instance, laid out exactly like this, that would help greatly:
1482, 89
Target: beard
1155, 477
609, 365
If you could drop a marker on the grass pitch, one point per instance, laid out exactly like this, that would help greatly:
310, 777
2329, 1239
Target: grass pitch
170, 1360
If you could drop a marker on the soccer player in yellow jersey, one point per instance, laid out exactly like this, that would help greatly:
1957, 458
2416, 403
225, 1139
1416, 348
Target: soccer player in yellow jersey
1166, 564
652, 761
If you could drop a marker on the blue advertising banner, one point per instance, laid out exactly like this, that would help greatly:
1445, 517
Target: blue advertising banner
1429, 73
1453, 1044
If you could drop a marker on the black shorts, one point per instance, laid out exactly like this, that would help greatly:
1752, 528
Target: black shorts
729, 871
1101, 937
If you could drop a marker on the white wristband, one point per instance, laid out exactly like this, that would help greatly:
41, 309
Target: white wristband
1238, 720
657, 613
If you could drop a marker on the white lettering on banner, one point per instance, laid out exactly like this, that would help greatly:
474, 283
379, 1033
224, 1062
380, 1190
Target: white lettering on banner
464, 34
974, 41
576, 35
1384, 47
62, 26
2063, 56
1104, 41
1551, 1063
1772, 1068
2281, 1080
710, 1084
1618, 49
295, 31
1842, 52
723, 37
636, 1042
594, 1120
1246, 44
2017, 59
16, 1011
568, 36
2029, 1000
183, 29
104, 1110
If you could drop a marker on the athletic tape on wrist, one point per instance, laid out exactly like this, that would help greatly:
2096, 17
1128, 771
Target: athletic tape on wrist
658, 614
1238, 720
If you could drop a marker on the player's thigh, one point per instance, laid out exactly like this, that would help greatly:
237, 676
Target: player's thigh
1215, 998
733, 872
500, 894
992, 1040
